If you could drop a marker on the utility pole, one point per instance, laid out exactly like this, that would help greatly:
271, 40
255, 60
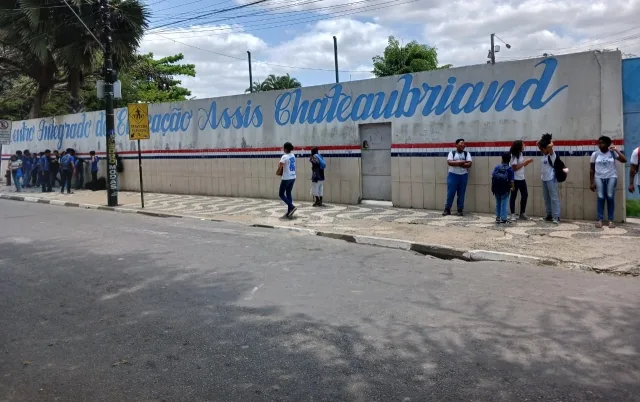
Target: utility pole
335, 56
492, 52
250, 73
109, 79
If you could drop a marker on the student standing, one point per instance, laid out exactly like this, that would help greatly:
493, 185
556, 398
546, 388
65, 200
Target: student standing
502, 184
45, 168
549, 180
317, 176
27, 167
604, 177
459, 162
287, 170
54, 168
15, 165
633, 170
94, 166
79, 163
518, 163
68, 168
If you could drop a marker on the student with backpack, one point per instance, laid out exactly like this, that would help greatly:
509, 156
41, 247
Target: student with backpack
552, 172
317, 177
604, 177
67, 169
502, 183
459, 162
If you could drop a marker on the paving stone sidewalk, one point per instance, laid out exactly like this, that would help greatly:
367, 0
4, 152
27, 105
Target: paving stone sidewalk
578, 242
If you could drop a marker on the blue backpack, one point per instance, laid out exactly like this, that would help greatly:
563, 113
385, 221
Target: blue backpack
500, 180
323, 165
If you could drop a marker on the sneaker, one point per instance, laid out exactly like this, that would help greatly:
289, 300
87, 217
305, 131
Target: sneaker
498, 220
290, 213
547, 219
446, 212
523, 217
506, 221
556, 221
514, 217
460, 213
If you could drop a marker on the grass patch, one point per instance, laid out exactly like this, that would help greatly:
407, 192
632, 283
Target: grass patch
633, 208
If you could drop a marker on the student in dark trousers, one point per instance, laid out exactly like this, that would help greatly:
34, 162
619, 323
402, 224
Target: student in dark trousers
67, 169
518, 163
287, 170
45, 168
94, 161
54, 168
79, 171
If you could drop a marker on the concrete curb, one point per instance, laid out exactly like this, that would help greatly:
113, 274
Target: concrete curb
443, 252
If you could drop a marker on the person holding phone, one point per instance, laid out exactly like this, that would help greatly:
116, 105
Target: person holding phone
604, 177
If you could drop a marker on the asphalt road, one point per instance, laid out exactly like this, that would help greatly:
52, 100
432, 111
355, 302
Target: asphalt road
101, 306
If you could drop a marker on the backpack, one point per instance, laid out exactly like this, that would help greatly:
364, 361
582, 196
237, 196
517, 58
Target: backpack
500, 180
558, 168
323, 165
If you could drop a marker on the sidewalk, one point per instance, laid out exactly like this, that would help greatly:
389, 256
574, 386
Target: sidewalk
573, 243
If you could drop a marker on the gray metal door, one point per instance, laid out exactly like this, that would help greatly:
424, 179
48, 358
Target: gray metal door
375, 140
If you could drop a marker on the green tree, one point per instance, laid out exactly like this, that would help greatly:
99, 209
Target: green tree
51, 46
412, 58
275, 83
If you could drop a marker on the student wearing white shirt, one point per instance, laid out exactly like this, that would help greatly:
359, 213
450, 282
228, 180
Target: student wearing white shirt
604, 177
549, 181
459, 162
518, 163
633, 171
287, 169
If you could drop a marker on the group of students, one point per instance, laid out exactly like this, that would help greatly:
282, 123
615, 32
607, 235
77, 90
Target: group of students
44, 169
508, 179
287, 171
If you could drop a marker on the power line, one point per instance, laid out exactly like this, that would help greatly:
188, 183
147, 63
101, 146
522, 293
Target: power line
213, 12
301, 21
85, 25
261, 62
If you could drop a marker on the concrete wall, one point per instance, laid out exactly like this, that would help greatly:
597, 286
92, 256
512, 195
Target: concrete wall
231, 145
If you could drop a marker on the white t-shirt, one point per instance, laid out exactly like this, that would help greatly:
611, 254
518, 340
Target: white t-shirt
634, 161
517, 174
458, 156
15, 165
605, 164
546, 170
289, 169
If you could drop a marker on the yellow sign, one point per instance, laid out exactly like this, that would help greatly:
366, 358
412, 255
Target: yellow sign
138, 121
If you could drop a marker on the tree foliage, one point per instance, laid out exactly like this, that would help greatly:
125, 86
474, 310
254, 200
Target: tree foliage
274, 83
412, 58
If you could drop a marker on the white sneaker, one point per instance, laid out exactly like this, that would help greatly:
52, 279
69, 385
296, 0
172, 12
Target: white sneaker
514, 217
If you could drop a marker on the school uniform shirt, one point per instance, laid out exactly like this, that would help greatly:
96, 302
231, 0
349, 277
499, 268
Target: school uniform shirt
634, 161
458, 156
546, 170
517, 174
44, 163
27, 163
94, 164
67, 162
605, 164
289, 168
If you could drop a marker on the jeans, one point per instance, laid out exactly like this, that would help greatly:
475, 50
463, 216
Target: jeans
456, 183
79, 179
17, 180
606, 190
551, 198
502, 205
26, 180
66, 176
520, 185
46, 181
285, 192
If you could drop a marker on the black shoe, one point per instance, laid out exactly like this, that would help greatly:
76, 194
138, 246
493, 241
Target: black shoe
446, 212
290, 213
498, 220
460, 213
548, 219
505, 221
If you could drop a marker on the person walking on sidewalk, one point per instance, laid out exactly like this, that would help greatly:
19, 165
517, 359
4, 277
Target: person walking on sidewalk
502, 184
317, 176
549, 180
15, 165
604, 177
45, 168
459, 162
287, 170
68, 168
518, 163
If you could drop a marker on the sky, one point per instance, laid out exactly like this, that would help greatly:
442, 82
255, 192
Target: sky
296, 36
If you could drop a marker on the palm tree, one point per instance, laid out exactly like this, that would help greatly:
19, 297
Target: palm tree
51, 46
275, 83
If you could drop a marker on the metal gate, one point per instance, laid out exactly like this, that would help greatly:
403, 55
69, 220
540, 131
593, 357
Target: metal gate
376, 161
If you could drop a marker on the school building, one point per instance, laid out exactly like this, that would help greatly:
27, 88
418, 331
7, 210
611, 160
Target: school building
383, 139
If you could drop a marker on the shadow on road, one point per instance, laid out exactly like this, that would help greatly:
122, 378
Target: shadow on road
128, 327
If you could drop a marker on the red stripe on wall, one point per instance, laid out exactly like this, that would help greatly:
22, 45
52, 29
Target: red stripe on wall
486, 144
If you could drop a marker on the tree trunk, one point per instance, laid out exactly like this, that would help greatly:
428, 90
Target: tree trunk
75, 81
38, 101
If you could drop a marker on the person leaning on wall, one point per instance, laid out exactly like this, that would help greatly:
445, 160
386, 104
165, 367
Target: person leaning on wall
604, 177
459, 162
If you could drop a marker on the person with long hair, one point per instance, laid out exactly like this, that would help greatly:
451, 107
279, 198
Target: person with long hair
518, 163
604, 177
550, 191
